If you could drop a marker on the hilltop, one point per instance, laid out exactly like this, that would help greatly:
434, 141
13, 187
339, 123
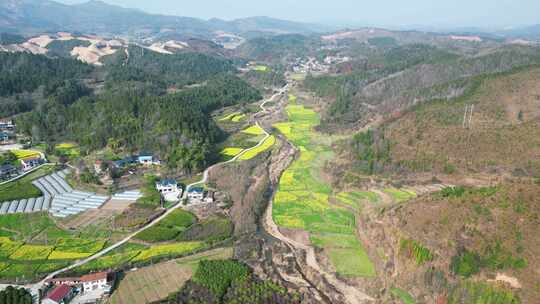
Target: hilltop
98, 17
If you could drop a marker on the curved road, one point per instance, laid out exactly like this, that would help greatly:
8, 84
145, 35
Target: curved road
263, 109
169, 211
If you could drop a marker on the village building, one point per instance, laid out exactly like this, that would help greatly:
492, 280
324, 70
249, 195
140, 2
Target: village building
169, 189
196, 194
7, 125
209, 197
70, 281
144, 159
7, 171
30, 163
167, 185
4, 138
124, 162
61, 294
148, 159
96, 281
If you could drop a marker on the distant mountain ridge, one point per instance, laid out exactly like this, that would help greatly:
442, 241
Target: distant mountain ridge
37, 16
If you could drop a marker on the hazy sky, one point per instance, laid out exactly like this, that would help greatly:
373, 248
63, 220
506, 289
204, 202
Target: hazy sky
482, 13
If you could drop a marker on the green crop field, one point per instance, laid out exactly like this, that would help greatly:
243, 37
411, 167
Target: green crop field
268, 143
175, 249
254, 130
34, 223
50, 248
175, 223
302, 199
231, 152
31, 252
355, 199
234, 117
400, 195
68, 149
25, 153
109, 261
261, 68
404, 296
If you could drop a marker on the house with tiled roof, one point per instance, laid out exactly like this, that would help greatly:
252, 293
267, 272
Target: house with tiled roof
61, 294
95, 281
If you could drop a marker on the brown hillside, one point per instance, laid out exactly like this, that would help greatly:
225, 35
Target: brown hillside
475, 222
503, 134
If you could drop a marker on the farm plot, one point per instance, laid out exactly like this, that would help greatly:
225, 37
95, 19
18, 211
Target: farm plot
261, 68
234, 117
355, 199
170, 227
231, 152
72, 249
39, 246
152, 283
25, 153
156, 282
34, 223
268, 143
8, 247
31, 252
238, 142
400, 195
68, 149
302, 199
137, 253
253, 130
175, 249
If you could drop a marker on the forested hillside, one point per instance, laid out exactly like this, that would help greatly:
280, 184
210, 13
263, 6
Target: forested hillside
278, 48
138, 64
22, 74
178, 126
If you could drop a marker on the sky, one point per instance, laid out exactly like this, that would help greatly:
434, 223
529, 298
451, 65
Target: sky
390, 13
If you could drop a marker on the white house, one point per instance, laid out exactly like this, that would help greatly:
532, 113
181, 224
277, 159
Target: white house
196, 194
169, 189
95, 281
167, 185
148, 159
30, 162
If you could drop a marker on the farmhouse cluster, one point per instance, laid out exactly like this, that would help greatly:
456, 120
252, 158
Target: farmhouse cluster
171, 191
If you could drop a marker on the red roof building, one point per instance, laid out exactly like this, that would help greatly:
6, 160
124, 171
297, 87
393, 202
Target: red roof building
60, 294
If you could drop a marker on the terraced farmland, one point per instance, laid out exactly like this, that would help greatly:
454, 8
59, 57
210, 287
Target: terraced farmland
267, 144
400, 195
39, 246
254, 130
30, 261
302, 200
356, 199
234, 117
25, 153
